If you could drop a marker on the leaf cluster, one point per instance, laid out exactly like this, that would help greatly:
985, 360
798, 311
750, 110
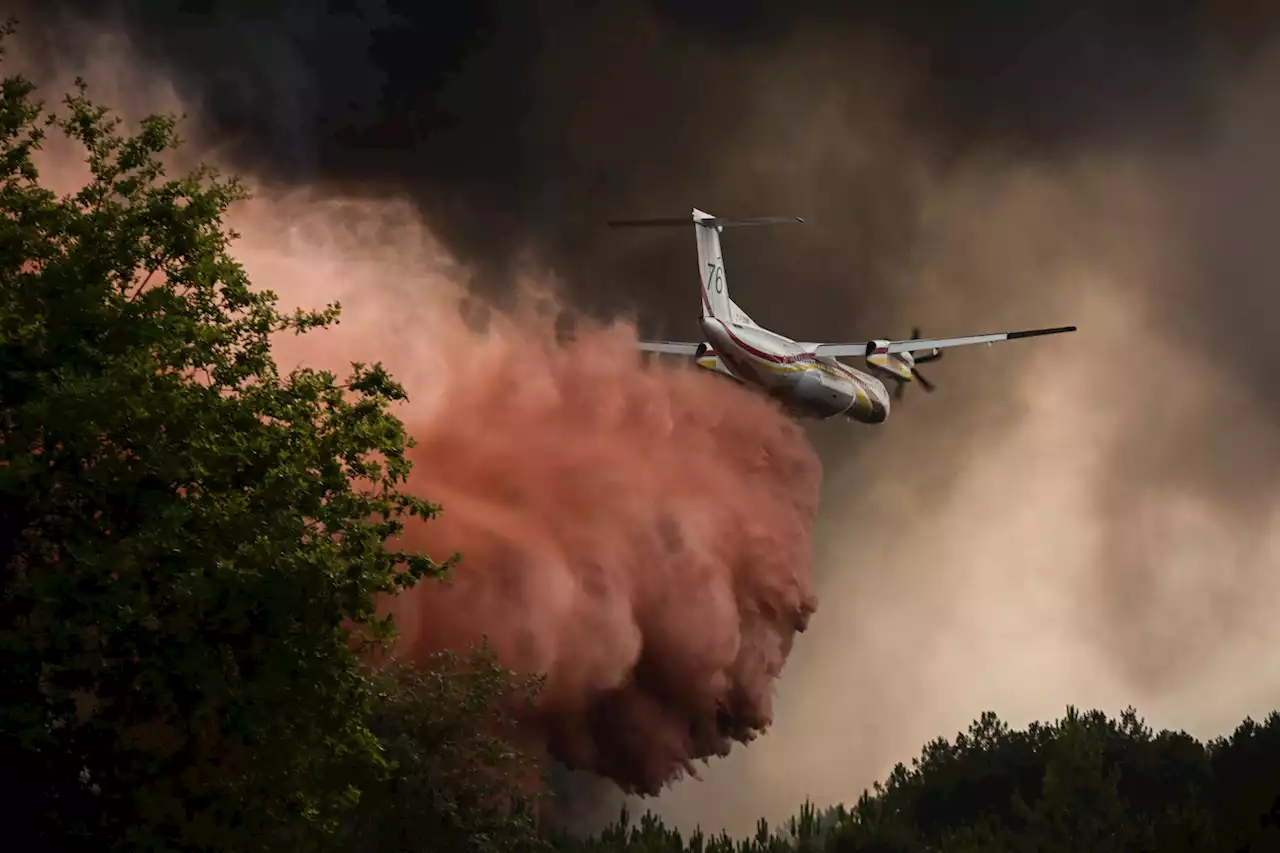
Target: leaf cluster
187, 536
459, 782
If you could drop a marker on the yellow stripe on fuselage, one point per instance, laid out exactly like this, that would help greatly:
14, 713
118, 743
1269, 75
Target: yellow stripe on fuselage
862, 397
797, 366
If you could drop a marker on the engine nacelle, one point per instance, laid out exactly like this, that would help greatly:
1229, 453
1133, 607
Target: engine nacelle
824, 396
897, 366
707, 358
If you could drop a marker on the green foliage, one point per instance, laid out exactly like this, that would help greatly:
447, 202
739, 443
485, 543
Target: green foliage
1085, 782
456, 780
188, 535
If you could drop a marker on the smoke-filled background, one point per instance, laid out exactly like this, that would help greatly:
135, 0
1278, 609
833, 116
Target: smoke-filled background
1090, 519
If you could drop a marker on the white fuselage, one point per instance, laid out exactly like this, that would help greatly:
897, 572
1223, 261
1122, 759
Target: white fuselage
808, 383
790, 372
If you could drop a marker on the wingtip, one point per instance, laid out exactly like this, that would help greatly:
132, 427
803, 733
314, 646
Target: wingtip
1035, 333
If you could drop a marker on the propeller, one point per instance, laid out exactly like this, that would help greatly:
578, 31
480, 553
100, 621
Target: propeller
919, 377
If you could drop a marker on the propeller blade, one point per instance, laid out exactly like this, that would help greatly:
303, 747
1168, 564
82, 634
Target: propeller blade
924, 359
899, 390
924, 383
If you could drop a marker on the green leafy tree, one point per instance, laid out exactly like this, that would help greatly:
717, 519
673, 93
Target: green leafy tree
457, 783
188, 535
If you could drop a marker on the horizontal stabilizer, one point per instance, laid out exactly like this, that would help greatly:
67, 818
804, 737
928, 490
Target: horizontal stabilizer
670, 347
732, 222
682, 221
917, 345
703, 218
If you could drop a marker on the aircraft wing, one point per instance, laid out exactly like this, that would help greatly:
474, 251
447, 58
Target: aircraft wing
670, 347
916, 345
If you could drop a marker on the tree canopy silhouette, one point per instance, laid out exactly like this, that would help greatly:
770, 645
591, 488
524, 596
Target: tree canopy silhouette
1085, 782
188, 535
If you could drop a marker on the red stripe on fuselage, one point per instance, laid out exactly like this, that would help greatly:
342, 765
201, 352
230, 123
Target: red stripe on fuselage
853, 375
766, 356
863, 383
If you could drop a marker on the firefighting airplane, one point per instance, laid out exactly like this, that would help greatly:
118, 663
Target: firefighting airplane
806, 378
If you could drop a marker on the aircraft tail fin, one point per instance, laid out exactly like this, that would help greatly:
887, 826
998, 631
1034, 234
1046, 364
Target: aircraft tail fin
715, 291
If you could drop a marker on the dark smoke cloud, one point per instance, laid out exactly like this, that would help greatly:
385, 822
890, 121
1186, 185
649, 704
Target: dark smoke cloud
473, 111
1088, 520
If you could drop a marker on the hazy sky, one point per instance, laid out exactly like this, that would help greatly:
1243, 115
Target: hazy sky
1090, 519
